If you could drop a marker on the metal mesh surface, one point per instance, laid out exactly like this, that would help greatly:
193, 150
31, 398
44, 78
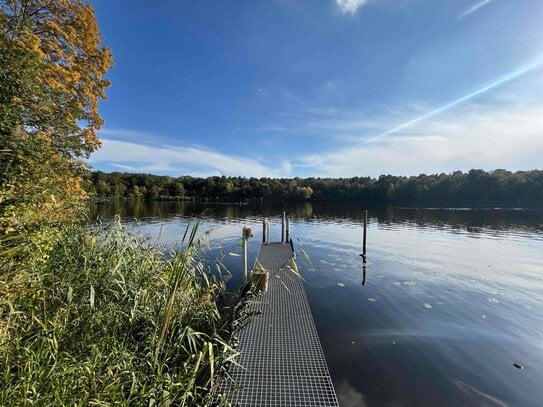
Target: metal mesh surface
282, 362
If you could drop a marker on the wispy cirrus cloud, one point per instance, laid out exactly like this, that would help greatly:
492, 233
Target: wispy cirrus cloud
468, 137
350, 6
178, 160
473, 8
492, 126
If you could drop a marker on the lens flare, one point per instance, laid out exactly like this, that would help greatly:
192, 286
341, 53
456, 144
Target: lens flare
517, 73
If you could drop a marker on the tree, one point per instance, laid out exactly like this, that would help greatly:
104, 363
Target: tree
176, 189
304, 192
61, 40
103, 188
136, 193
52, 67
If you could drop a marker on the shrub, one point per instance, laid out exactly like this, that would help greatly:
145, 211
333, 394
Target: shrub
105, 319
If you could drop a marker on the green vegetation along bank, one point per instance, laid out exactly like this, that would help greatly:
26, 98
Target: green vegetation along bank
476, 187
87, 317
105, 319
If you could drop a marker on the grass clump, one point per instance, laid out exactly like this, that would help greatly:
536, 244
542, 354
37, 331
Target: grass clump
105, 319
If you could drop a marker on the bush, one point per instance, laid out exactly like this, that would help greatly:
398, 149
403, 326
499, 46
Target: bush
105, 319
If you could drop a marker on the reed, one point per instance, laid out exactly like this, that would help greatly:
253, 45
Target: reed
106, 319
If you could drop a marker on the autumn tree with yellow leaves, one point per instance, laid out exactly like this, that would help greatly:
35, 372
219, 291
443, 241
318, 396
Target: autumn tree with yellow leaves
52, 67
88, 316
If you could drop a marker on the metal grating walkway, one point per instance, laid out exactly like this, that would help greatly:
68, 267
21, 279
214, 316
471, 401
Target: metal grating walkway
280, 353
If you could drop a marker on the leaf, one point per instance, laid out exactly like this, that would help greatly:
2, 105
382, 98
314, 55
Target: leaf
294, 266
92, 294
70, 294
211, 362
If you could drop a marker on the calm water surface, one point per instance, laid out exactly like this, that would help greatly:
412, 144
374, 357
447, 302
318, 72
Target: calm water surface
452, 300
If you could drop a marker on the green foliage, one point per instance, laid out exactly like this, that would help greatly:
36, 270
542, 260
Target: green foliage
473, 187
19, 69
52, 64
304, 192
105, 320
86, 318
56, 47
39, 190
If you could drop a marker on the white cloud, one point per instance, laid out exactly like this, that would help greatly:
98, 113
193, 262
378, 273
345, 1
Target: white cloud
350, 6
285, 167
180, 160
471, 137
474, 8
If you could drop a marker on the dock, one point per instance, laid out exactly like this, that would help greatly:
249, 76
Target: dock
281, 361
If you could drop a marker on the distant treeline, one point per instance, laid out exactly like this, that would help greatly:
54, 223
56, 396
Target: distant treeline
476, 187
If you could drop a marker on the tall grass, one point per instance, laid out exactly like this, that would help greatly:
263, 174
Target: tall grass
104, 319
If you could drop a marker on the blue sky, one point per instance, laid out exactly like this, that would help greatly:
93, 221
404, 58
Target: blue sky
322, 87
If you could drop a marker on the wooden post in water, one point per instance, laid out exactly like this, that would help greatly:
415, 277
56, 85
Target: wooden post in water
283, 224
364, 238
264, 225
287, 234
245, 235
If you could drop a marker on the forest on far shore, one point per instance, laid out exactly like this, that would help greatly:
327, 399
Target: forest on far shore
476, 187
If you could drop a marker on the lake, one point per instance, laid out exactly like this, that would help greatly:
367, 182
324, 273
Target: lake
451, 310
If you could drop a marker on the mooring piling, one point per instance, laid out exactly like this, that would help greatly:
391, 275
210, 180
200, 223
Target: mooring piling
287, 233
364, 237
245, 235
283, 226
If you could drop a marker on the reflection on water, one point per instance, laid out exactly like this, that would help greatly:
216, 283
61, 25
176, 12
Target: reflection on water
472, 221
449, 304
349, 395
476, 397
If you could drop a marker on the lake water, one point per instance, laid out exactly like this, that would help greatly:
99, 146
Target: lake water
451, 312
